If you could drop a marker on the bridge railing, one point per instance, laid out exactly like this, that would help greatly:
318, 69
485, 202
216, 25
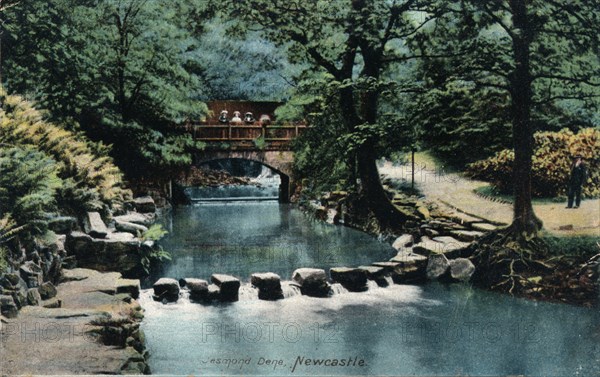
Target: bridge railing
242, 133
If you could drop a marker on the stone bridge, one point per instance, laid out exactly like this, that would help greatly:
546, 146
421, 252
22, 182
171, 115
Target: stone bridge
267, 145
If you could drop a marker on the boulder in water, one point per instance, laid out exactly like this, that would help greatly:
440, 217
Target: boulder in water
198, 288
229, 287
410, 274
268, 284
353, 279
407, 258
377, 274
312, 281
166, 289
437, 267
461, 269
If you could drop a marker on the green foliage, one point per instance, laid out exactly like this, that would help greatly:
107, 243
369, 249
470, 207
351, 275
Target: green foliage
462, 123
27, 186
260, 142
89, 178
122, 71
579, 246
154, 233
551, 163
155, 253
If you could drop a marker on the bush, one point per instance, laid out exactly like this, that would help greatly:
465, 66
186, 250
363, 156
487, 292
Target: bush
551, 163
27, 186
92, 175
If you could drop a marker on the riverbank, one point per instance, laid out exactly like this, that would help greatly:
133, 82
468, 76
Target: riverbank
441, 234
92, 327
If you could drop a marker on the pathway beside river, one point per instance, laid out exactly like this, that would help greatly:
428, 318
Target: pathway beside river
455, 190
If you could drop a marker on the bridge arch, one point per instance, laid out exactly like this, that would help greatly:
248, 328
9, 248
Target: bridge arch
278, 161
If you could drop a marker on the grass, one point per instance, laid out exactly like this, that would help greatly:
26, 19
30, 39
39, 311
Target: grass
573, 246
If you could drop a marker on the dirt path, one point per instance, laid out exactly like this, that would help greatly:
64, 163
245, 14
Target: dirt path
455, 190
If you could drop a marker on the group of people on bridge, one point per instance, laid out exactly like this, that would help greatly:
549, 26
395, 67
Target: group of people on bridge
264, 120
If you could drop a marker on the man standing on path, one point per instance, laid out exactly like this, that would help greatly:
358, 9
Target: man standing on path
577, 179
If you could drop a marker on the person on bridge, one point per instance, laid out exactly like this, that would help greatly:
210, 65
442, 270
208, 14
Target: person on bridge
224, 116
576, 180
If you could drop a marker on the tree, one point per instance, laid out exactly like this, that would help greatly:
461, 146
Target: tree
119, 70
541, 53
353, 43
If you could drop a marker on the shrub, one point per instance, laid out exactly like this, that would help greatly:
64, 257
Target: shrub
86, 164
551, 163
27, 186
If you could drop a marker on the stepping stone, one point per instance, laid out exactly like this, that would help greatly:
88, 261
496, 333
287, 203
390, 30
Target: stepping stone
312, 281
268, 284
229, 286
353, 279
377, 274
408, 258
198, 288
166, 289
449, 246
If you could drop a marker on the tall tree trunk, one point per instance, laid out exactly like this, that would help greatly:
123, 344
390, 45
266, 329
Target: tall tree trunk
525, 222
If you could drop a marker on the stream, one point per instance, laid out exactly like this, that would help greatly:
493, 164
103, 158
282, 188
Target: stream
432, 329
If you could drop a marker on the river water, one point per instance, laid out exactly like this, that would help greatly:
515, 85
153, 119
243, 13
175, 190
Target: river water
399, 330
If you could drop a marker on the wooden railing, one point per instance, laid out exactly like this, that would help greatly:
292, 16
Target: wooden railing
243, 133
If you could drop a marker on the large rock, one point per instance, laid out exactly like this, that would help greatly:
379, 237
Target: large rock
198, 288
32, 274
47, 290
408, 258
461, 269
144, 204
229, 286
403, 241
449, 246
133, 228
166, 289
94, 226
377, 274
387, 266
409, 274
145, 219
118, 252
268, 284
437, 267
8, 308
353, 279
128, 286
312, 281
62, 224
33, 297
